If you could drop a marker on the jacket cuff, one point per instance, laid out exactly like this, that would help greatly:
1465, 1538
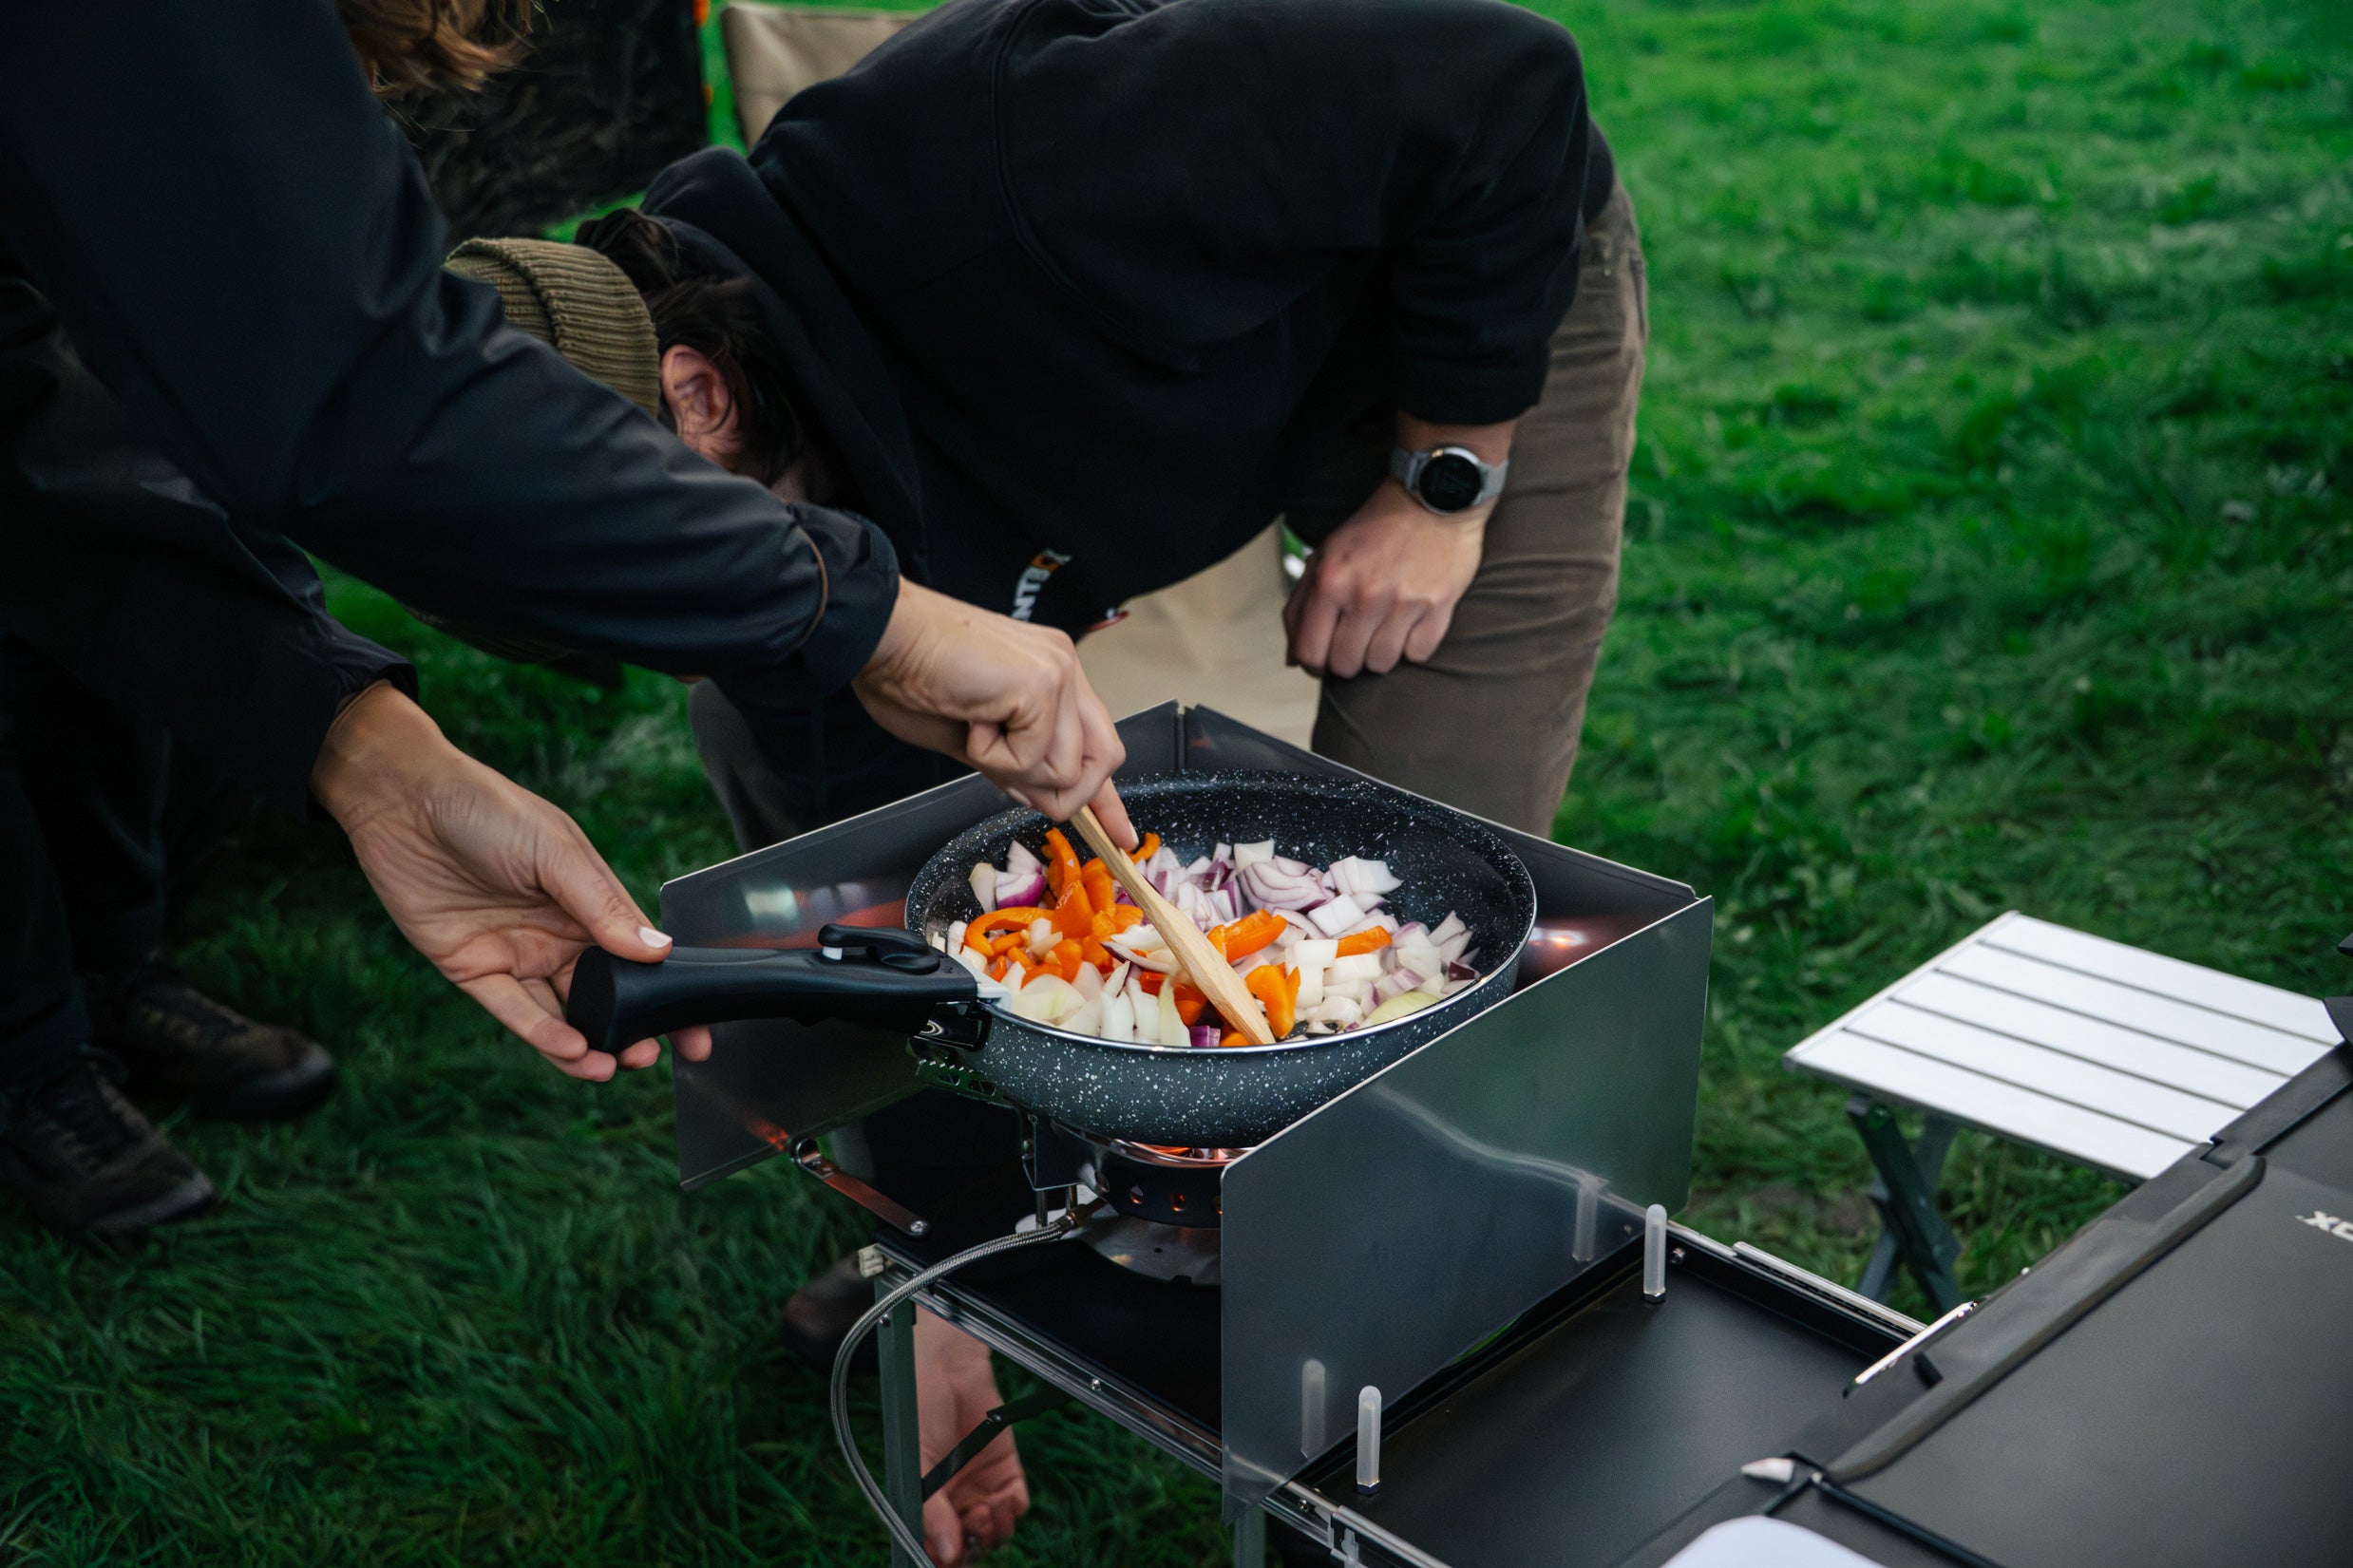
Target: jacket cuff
861, 572
1490, 393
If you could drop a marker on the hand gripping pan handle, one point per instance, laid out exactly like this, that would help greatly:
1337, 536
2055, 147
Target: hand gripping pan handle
889, 978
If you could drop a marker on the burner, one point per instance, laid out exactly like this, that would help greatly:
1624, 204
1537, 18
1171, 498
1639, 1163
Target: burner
1181, 1253
1180, 1187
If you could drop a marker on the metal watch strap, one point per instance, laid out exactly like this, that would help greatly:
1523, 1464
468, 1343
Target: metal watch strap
1406, 468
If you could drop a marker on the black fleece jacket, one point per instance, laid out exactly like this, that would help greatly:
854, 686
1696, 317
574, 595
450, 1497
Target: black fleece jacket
234, 239
1090, 276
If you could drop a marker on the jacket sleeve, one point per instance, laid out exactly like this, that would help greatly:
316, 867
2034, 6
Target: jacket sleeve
242, 249
1443, 143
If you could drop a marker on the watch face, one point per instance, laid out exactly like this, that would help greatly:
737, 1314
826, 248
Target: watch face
1450, 482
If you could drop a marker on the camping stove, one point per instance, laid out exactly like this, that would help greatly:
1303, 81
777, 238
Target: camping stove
1234, 1306
1159, 1208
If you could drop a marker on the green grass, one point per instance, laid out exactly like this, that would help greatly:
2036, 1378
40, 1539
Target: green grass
1987, 550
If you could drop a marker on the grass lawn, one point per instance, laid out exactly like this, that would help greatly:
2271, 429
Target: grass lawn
1988, 549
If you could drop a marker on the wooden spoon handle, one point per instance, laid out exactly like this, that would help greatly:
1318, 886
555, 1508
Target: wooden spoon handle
1211, 974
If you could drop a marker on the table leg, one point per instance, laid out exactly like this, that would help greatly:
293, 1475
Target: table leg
902, 1451
1251, 1539
1913, 1232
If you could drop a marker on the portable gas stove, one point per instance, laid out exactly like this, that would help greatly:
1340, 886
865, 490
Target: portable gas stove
1442, 1319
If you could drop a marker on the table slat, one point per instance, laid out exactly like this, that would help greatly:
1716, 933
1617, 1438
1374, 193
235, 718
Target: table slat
2005, 1109
2199, 1072
2184, 982
2179, 1022
2044, 1072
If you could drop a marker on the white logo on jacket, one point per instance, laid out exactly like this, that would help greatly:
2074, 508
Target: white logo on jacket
2342, 1228
1033, 581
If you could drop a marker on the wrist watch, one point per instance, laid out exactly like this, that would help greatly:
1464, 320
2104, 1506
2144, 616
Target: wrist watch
1447, 479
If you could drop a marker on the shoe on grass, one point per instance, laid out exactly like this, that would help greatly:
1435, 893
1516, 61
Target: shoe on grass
177, 1043
87, 1164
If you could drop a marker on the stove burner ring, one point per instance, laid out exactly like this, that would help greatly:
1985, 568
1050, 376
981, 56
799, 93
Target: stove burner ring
1168, 1186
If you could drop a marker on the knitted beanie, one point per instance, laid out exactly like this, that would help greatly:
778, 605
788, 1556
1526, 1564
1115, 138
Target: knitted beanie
577, 302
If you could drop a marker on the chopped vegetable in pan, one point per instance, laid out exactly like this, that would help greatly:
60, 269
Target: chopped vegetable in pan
1315, 946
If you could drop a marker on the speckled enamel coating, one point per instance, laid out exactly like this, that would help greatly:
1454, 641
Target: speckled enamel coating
1236, 1098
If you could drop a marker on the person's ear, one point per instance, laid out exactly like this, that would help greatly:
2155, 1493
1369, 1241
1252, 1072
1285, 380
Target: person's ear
700, 404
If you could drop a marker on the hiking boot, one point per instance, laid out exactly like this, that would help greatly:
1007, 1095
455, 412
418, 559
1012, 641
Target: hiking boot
89, 1166
175, 1042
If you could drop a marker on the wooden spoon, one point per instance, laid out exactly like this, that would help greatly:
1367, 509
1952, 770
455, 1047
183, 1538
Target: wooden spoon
1213, 976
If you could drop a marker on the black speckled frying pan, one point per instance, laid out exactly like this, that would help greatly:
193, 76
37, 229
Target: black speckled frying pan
1226, 1098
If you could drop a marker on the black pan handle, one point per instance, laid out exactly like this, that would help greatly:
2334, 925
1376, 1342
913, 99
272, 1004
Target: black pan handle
889, 979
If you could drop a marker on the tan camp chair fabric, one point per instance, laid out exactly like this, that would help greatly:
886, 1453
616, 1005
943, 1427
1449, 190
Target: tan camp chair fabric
773, 51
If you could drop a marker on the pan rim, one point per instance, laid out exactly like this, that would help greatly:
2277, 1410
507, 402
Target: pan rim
1411, 804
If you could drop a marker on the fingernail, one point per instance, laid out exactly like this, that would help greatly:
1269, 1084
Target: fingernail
652, 937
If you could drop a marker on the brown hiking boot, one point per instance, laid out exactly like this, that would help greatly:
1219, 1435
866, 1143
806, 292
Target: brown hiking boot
175, 1042
89, 1166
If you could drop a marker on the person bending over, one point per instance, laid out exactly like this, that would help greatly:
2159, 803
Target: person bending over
1075, 298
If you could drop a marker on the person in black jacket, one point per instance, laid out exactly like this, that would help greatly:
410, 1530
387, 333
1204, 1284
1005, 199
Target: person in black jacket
219, 230
1075, 297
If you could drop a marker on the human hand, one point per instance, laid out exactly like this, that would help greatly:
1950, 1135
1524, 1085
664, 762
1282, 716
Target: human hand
500, 889
955, 1387
1382, 587
1002, 696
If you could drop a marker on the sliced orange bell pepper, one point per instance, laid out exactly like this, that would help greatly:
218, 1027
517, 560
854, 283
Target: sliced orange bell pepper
1249, 934
1144, 851
1018, 916
1065, 958
1151, 981
1124, 915
1073, 916
1363, 941
1232, 1038
1281, 996
1096, 879
1061, 863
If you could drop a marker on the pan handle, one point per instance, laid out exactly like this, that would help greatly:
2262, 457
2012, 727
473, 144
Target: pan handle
889, 978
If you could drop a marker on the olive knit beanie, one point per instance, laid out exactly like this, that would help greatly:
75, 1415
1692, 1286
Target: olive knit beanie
577, 302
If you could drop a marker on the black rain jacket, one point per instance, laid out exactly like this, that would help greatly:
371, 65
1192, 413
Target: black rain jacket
203, 201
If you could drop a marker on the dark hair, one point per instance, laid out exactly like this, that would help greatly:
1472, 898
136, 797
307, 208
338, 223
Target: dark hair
406, 46
718, 314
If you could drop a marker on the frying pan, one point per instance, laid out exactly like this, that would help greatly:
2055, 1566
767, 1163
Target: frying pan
1223, 1098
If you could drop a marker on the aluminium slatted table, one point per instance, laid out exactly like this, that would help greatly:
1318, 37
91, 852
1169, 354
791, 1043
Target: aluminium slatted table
2109, 1056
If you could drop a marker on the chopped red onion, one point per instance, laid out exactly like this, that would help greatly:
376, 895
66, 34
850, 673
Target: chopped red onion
1019, 890
1204, 1036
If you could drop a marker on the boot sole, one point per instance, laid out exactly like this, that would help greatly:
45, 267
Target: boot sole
273, 1096
186, 1200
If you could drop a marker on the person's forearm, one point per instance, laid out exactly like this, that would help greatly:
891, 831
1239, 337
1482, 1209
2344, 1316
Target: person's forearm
1493, 443
379, 748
